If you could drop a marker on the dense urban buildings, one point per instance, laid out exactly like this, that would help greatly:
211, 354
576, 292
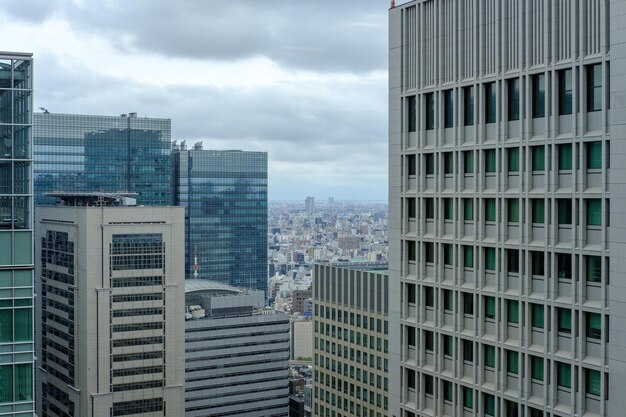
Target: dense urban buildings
502, 261
102, 153
110, 308
350, 353
236, 353
16, 235
225, 197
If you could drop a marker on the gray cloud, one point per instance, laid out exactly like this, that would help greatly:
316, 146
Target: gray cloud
322, 35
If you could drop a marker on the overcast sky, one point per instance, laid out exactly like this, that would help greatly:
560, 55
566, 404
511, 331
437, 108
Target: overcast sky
304, 80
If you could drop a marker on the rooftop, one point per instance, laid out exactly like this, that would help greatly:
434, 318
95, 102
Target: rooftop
94, 199
205, 285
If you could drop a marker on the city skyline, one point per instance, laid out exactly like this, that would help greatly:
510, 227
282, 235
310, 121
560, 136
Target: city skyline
313, 96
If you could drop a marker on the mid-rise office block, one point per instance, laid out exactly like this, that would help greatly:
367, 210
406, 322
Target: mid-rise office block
110, 306
350, 351
225, 198
506, 202
16, 235
86, 153
236, 353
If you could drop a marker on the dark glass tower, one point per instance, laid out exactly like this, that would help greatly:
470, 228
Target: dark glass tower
225, 196
16, 236
103, 153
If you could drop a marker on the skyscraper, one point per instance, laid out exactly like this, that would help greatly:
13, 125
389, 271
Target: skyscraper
16, 235
309, 204
110, 308
225, 198
504, 259
103, 153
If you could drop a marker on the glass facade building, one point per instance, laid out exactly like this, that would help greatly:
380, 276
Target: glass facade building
225, 197
102, 153
16, 240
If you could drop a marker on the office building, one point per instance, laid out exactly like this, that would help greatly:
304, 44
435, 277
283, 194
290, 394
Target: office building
299, 297
301, 335
110, 308
350, 351
506, 147
16, 235
349, 242
225, 198
309, 204
236, 353
87, 153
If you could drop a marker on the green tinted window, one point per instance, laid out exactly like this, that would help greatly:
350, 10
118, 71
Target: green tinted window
513, 311
448, 254
564, 375
594, 155
594, 268
490, 259
490, 356
490, 405
490, 160
512, 155
537, 316
24, 382
513, 210
6, 248
468, 398
536, 368
538, 158
594, 212
23, 248
468, 158
565, 211
468, 209
512, 362
594, 326
6, 388
448, 394
6, 325
468, 256
538, 207
490, 210
593, 381
565, 156
448, 207
565, 320
448, 346
23, 323
490, 307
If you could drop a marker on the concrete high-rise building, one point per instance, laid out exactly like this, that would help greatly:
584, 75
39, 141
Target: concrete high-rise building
16, 235
309, 204
350, 351
88, 153
110, 340
506, 208
237, 353
225, 198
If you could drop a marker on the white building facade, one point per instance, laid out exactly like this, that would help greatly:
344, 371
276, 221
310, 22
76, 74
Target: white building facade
506, 147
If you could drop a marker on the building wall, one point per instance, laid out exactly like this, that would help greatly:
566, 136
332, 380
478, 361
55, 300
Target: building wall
350, 350
16, 235
102, 153
225, 197
237, 366
111, 301
500, 194
301, 339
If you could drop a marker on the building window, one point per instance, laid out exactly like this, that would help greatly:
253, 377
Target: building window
490, 259
490, 160
513, 91
537, 316
565, 157
448, 300
410, 289
428, 385
512, 362
537, 263
490, 308
564, 320
539, 95
593, 382
429, 208
594, 155
429, 296
564, 265
448, 255
594, 87
429, 252
468, 398
468, 304
536, 368
448, 392
410, 249
429, 343
468, 351
564, 206
490, 102
411, 207
448, 98
593, 268
512, 261
411, 117
468, 162
490, 356
490, 405
538, 158
565, 92
468, 105
448, 163
429, 162
468, 256
564, 375
513, 210
410, 335
468, 209
448, 209
512, 158
512, 310
411, 166
490, 209
594, 212
448, 345
594, 325
538, 210
430, 111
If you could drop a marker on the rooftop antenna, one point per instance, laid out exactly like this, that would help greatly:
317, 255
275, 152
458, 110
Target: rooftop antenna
44, 110
393, 3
